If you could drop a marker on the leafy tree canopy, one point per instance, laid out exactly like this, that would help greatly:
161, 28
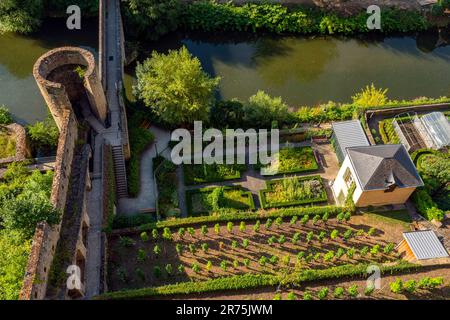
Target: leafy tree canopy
22, 16
261, 110
175, 86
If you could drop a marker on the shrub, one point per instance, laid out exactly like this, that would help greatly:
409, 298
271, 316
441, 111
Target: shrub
282, 239
323, 293
142, 255
291, 296
205, 247
181, 232
204, 230
155, 234
293, 220
257, 226
262, 261
5, 116
296, 237
126, 242
245, 243
410, 286
223, 265
353, 291
217, 228
230, 226
180, 269
307, 296
246, 262
157, 271
192, 248
179, 248
338, 292
169, 269
277, 296
370, 97
242, 226
369, 290
167, 234
195, 267
208, 266
396, 286
157, 250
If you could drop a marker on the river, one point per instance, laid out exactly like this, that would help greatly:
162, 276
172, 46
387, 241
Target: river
302, 70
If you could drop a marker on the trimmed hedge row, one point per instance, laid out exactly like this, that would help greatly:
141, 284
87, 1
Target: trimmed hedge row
239, 216
251, 281
265, 205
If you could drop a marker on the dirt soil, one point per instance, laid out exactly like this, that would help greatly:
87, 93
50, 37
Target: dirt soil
123, 263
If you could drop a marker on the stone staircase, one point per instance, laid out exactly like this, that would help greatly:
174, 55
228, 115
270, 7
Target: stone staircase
120, 172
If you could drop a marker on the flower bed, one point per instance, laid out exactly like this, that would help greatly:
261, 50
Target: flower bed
293, 191
206, 173
208, 200
292, 160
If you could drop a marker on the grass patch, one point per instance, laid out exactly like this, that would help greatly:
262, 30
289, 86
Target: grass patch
7, 144
207, 173
292, 160
293, 191
207, 200
395, 217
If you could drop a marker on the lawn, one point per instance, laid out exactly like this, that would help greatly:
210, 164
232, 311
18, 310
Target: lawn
293, 191
292, 160
206, 173
7, 145
269, 246
207, 200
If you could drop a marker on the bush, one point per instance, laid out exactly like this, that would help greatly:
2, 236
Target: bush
396, 286
5, 116
338, 292
323, 293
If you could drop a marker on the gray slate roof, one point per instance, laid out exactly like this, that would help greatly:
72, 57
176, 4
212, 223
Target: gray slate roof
425, 244
348, 134
381, 166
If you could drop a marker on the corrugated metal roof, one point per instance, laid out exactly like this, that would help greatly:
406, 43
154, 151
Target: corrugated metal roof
425, 244
349, 134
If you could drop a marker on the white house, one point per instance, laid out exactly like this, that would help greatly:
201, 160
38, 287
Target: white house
383, 175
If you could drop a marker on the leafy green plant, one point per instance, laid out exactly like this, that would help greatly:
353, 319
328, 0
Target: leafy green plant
323, 293
353, 291
195, 267
296, 237
141, 256
204, 230
157, 271
307, 296
338, 292
169, 269
157, 250
257, 226
396, 286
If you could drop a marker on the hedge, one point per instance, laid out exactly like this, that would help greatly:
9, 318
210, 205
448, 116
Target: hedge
239, 216
265, 205
251, 281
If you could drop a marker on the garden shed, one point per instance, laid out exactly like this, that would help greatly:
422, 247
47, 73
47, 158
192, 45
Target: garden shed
347, 134
421, 245
434, 129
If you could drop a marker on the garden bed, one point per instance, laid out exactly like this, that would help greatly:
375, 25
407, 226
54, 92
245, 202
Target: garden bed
208, 200
208, 173
251, 254
293, 191
166, 180
292, 160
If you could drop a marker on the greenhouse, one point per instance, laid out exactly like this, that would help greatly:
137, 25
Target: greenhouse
434, 130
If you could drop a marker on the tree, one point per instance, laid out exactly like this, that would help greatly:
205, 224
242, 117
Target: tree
152, 18
262, 110
21, 16
370, 97
227, 114
175, 87
26, 210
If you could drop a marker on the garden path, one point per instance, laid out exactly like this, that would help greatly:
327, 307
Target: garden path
146, 199
254, 182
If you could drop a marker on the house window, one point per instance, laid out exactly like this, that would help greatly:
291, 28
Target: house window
348, 178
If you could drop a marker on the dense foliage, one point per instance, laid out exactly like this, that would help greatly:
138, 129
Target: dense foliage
24, 201
159, 16
5, 116
211, 16
206, 173
175, 87
44, 134
140, 139
292, 160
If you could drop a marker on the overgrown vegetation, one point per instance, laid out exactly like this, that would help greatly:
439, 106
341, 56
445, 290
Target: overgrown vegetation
44, 136
206, 173
218, 200
293, 191
433, 200
166, 180
24, 201
7, 144
140, 138
292, 160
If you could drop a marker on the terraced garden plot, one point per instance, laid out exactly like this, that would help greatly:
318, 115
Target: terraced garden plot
207, 200
215, 251
207, 173
293, 191
292, 160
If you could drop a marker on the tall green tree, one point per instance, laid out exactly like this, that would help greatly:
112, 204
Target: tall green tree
21, 16
152, 18
175, 86
262, 110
